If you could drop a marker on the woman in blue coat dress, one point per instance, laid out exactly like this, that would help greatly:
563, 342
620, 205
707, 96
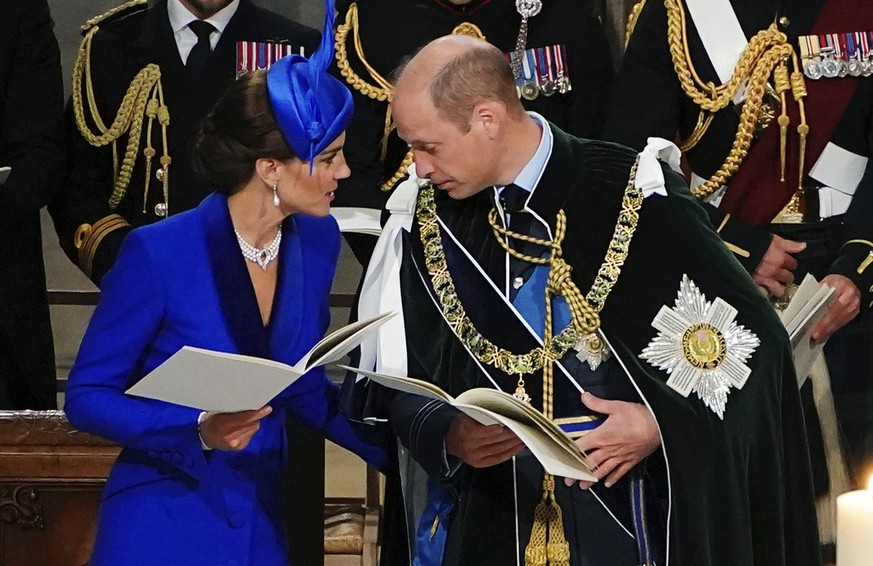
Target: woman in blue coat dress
248, 271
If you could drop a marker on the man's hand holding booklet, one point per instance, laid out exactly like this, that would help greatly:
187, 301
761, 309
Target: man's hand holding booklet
808, 305
226, 383
557, 452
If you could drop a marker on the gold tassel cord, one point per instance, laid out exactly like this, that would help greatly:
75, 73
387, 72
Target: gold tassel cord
783, 84
585, 317
164, 121
128, 120
149, 151
548, 544
798, 90
766, 52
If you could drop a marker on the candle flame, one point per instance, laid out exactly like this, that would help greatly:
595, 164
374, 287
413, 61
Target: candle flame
870, 484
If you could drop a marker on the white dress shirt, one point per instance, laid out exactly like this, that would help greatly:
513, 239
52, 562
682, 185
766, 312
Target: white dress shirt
186, 39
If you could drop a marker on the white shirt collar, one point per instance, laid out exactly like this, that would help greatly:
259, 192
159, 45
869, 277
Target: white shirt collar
180, 16
529, 176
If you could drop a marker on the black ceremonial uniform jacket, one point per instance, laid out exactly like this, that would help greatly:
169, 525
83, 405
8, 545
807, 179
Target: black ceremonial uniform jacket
31, 106
648, 101
120, 49
391, 30
739, 489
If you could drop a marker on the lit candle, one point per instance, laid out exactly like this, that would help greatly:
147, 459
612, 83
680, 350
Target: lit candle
855, 527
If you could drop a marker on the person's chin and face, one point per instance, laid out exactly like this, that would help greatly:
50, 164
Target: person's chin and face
453, 160
302, 193
205, 8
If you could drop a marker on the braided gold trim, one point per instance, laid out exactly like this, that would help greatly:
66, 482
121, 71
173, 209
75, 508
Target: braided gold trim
632, 18
737, 250
89, 237
575, 420
858, 241
554, 349
128, 120
383, 90
766, 51
862, 267
106, 15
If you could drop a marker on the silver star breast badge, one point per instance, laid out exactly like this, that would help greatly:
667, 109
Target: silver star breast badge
701, 347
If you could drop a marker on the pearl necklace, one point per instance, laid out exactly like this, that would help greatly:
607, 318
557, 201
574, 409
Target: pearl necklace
261, 256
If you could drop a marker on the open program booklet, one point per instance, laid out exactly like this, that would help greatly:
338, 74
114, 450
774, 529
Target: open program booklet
807, 306
222, 382
556, 451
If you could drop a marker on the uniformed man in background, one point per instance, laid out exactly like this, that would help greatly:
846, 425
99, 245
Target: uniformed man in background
143, 79
558, 50
772, 103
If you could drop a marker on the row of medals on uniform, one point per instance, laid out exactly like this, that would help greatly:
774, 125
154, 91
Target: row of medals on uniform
835, 55
542, 70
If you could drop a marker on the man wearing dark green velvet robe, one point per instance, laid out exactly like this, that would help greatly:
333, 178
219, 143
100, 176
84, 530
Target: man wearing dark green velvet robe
690, 411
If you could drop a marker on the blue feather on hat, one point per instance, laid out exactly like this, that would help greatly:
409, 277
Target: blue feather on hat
311, 107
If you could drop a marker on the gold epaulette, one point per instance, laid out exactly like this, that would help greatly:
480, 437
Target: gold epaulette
767, 55
143, 99
88, 238
130, 7
632, 18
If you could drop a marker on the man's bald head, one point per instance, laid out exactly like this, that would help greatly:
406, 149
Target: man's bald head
460, 72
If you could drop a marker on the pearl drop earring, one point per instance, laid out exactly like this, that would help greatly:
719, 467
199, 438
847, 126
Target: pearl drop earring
275, 193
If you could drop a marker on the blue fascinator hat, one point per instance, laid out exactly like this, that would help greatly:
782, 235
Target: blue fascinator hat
311, 107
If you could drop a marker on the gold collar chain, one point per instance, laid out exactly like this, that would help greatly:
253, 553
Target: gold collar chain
555, 348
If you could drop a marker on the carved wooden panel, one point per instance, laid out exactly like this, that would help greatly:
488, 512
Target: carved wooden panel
51, 479
19, 506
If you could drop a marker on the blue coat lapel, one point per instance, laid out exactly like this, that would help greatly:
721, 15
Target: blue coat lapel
236, 294
286, 320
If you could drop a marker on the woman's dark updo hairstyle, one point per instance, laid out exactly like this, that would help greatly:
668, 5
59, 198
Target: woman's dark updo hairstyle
240, 129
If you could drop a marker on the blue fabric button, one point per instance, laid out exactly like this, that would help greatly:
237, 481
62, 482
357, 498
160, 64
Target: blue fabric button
236, 520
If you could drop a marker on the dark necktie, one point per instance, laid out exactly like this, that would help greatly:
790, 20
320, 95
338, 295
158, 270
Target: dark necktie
512, 198
198, 55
